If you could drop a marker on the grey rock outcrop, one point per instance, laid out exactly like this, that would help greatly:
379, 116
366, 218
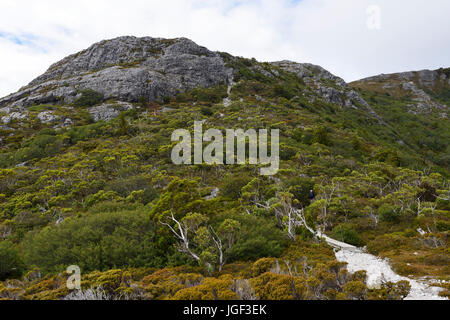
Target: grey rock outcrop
16, 115
310, 73
108, 111
423, 78
422, 88
48, 117
126, 69
327, 86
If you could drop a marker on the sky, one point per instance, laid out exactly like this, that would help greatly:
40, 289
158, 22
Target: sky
351, 38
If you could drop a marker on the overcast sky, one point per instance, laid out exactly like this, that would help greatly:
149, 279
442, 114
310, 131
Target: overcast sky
351, 38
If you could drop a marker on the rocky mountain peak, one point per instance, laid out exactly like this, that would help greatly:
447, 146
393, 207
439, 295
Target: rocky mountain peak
126, 68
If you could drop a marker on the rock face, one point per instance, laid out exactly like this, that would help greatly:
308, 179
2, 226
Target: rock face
126, 69
329, 87
424, 78
108, 111
14, 116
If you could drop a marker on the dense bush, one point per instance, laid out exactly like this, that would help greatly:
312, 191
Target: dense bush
11, 265
209, 95
41, 146
89, 98
97, 242
348, 234
233, 186
321, 136
206, 111
385, 243
388, 213
300, 188
259, 238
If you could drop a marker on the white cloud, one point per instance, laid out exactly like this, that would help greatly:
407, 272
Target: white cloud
414, 34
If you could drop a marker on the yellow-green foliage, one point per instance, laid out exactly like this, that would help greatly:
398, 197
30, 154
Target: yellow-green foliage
391, 291
209, 289
49, 288
116, 281
262, 266
299, 281
163, 284
10, 293
355, 290
270, 286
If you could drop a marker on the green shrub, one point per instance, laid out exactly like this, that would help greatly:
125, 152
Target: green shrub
206, 111
287, 152
300, 188
89, 98
39, 147
385, 243
443, 226
281, 91
11, 265
348, 234
99, 242
320, 135
233, 186
260, 237
388, 213
211, 95
136, 183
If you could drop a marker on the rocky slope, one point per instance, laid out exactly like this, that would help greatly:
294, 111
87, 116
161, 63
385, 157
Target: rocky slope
327, 86
129, 69
126, 68
428, 90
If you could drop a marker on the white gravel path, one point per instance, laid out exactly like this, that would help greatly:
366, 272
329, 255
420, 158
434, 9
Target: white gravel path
379, 269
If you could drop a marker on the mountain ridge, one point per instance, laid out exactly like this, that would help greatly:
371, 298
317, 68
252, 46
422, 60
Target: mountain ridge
130, 69
428, 89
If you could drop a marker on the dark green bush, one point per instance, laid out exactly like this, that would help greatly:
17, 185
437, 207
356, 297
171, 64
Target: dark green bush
388, 213
89, 98
260, 237
300, 188
39, 147
281, 91
233, 186
11, 265
206, 111
98, 242
320, 135
348, 234
125, 186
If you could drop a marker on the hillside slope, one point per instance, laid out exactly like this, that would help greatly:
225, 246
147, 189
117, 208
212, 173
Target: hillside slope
416, 106
86, 178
